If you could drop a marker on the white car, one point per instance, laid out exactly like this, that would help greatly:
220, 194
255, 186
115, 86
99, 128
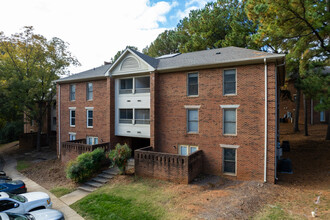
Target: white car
24, 203
43, 214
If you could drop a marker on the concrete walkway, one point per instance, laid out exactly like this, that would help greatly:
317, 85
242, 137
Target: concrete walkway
10, 169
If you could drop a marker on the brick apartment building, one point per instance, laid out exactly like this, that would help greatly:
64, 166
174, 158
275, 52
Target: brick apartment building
223, 102
288, 104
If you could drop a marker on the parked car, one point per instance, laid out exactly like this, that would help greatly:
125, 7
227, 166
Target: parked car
43, 214
2, 173
24, 203
12, 186
5, 178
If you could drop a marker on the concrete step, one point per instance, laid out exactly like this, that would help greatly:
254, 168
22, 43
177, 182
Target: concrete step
111, 172
100, 180
93, 184
105, 176
86, 188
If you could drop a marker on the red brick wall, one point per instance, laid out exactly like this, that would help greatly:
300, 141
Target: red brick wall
171, 118
101, 116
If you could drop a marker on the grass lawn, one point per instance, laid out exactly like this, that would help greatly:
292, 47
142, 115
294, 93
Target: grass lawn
61, 191
274, 212
22, 164
136, 199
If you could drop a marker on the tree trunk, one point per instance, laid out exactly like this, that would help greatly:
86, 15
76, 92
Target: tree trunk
296, 116
305, 116
39, 121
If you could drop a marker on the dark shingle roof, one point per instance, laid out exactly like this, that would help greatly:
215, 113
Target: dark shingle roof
150, 60
92, 73
213, 56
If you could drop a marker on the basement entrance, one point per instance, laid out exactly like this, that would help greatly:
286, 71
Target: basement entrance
138, 143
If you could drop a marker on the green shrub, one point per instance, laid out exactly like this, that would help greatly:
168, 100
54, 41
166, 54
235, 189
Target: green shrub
85, 165
10, 131
119, 156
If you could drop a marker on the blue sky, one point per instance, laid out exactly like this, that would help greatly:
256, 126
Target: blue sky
96, 29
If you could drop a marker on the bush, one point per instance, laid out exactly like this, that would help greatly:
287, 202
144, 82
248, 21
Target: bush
85, 165
11, 131
119, 156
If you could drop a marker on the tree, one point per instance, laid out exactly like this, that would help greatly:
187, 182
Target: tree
220, 24
167, 42
29, 64
317, 83
297, 27
117, 55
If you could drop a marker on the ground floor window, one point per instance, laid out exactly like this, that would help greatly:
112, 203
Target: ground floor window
92, 140
185, 150
229, 160
322, 116
72, 136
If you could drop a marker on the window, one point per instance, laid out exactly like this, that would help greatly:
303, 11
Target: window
126, 116
185, 150
322, 116
72, 136
92, 140
126, 86
72, 92
89, 91
192, 84
142, 84
54, 121
142, 116
72, 118
192, 120
89, 118
229, 160
229, 82
229, 121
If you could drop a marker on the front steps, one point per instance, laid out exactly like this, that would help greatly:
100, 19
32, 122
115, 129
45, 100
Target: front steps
103, 178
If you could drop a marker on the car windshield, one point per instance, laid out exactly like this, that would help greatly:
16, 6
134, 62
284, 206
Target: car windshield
19, 198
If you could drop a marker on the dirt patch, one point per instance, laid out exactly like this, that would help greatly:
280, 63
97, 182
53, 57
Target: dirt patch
49, 174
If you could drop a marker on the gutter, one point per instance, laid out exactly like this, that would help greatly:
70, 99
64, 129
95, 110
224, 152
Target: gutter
59, 121
266, 118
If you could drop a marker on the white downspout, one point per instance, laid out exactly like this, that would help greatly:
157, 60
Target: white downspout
59, 121
266, 118
276, 125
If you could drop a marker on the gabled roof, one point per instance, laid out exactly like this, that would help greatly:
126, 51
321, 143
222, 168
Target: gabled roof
98, 72
150, 60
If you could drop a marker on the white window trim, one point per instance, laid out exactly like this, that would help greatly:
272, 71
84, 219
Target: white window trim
229, 106
223, 122
70, 110
187, 121
188, 148
70, 86
223, 146
192, 106
133, 87
188, 84
89, 109
223, 82
73, 133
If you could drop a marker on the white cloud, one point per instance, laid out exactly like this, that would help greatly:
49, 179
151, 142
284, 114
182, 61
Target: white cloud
95, 30
189, 6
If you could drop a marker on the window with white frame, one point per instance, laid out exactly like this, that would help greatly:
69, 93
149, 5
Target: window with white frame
229, 160
126, 86
229, 82
142, 84
92, 140
126, 116
72, 136
72, 117
229, 121
186, 150
192, 120
89, 91
142, 116
89, 118
192, 84
72, 92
